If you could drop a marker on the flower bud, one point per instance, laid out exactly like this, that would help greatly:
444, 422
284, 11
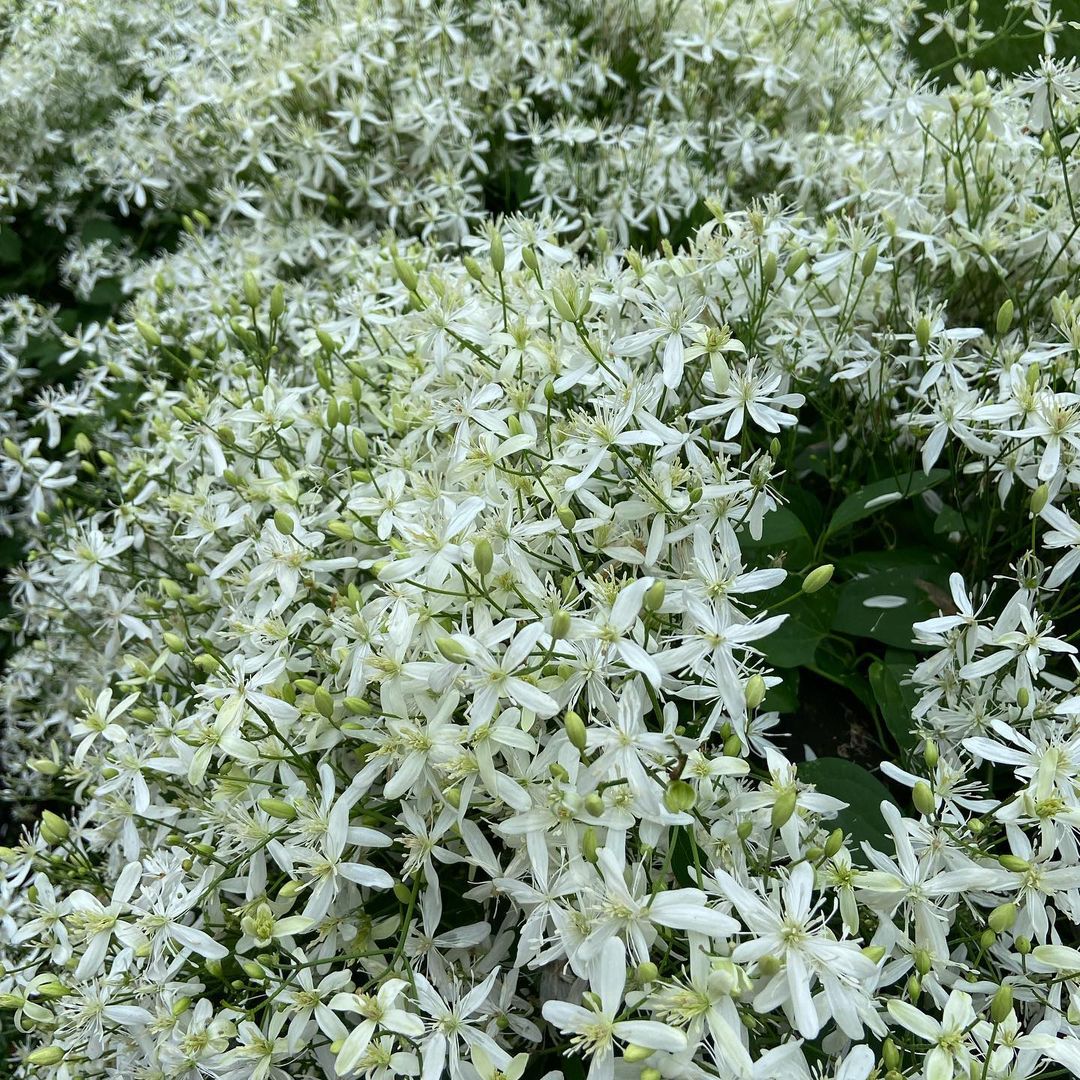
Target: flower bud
733, 746
768, 269
796, 261
1039, 498
1023, 945
874, 953
528, 257
783, 808
45, 766
560, 624
567, 517
45, 1055
635, 1053
278, 808
406, 273
869, 261
817, 579
1014, 863
594, 804
498, 252
252, 292
1004, 318
452, 650
744, 829
277, 301
1023, 697
923, 798
930, 754
1001, 1004
834, 843
914, 988
575, 730
754, 691
324, 702
1002, 918
483, 556
987, 939
647, 972
890, 1055
922, 332
174, 642
923, 961
654, 596
679, 796
284, 523
54, 829
149, 333
590, 845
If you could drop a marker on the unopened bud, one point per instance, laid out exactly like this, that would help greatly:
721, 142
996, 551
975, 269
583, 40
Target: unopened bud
818, 578
679, 796
278, 808
252, 292
452, 650
483, 556
1039, 498
754, 693
149, 333
590, 844
922, 332
1014, 863
324, 702
930, 754
575, 730
869, 261
1002, 918
594, 804
498, 252
923, 798
654, 596
560, 624
1001, 1004
834, 843
783, 808
54, 828
567, 517
1004, 318
284, 523
45, 1055
634, 1053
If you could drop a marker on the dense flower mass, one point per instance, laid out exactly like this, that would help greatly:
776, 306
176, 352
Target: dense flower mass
512, 434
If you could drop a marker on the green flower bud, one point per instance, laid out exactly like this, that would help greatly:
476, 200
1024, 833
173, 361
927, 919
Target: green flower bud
1002, 918
575, 730
647, 972
45, 766
930, 754
783, 808
567, 517
654, 596
679, 796
406, 273
1004, 318
1039, 498
284, 523
528, 257
796, 261
635, 1053
1001, 1004
45, 1055
277, 301
1023, 697
590, 845
834, 843
923, 961
874, 953
1014, 863
483, 556
768, 269
174, 642
869, 262
324, 702
732, 745
54, 828
1023, 945
754, 691
923, 798
817, 579
922, 332
252, 292
594, 804
148, 333
744, 829
357, 706
560, 624
278, 808
498, 252
452, 650
914, 988
987, 939
890, 1055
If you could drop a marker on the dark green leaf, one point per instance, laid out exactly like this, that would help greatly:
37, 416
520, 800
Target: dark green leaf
895, 700
796, 641
880, 495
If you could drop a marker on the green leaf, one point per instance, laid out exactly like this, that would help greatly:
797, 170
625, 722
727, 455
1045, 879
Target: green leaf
784, 696
809, 620
895, 700
10, 246
863, 793
884, 603
881, 494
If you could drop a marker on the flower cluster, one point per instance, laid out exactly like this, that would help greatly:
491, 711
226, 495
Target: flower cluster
412, 594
